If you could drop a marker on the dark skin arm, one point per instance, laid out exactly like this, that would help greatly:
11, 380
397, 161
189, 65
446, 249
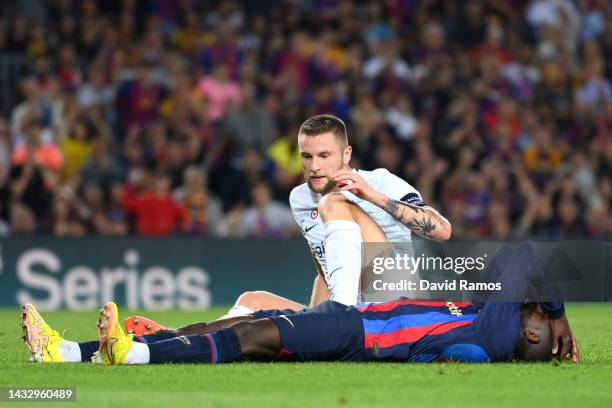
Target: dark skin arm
565, 346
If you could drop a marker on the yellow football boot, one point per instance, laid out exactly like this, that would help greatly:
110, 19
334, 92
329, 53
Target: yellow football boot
41, 339
114, 343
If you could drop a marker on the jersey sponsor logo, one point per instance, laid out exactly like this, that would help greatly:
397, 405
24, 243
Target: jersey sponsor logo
317, 249
314, 214
414, 199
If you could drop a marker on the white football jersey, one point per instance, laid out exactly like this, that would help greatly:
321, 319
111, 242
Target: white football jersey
304, 205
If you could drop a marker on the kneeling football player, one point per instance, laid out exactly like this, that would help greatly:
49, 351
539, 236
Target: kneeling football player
337, 209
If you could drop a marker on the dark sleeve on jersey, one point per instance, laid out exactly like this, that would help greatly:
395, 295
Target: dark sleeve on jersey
499, 322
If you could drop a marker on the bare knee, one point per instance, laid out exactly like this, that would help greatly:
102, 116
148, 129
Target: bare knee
258, 338
254, 299
334, 206
244, 330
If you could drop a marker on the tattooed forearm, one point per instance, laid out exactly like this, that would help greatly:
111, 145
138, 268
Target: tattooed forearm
425, 227
424, 221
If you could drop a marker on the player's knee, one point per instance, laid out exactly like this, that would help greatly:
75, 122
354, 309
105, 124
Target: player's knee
253, 299
244, 332
332, 204
242, 329
256, 337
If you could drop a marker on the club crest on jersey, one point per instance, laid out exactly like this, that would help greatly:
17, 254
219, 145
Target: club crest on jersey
314, 214
454, 309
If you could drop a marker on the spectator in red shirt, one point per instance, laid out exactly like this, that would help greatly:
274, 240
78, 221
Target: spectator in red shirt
155, 211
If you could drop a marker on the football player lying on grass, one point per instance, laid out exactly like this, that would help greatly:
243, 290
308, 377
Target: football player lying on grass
402, 330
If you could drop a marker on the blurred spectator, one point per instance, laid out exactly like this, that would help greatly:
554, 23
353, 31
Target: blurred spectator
36, 150
266, 218
285, 154
77, 145
250, 125
596, 90
102, 169
205, 210
34, 175
220, 92
70, 217
365, 117
108, 219
156, 212
140, 99
401, 118
22, 220
543, 157
236, 182
96, 92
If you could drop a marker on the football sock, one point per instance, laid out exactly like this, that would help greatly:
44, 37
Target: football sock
343, 253
87, 350
155, 337
74, 352
237, 310
219, 347
139, 354
70, 350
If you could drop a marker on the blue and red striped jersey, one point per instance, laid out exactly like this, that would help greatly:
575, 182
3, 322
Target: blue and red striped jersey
425, 331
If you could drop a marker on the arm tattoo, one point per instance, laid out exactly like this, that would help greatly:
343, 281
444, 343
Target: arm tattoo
424, 221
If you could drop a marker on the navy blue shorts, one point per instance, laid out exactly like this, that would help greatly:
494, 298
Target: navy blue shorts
330, 331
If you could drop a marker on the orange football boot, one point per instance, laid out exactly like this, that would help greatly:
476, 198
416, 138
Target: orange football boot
138, 326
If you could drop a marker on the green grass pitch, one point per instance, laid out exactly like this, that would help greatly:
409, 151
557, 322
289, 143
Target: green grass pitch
317, 384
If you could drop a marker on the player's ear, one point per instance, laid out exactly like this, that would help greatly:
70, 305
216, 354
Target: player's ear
532, 335
346, 155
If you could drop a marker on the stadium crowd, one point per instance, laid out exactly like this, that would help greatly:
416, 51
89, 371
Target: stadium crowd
160, 117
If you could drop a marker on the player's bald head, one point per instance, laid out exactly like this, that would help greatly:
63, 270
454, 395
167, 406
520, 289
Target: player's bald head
319, 124
535, 338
